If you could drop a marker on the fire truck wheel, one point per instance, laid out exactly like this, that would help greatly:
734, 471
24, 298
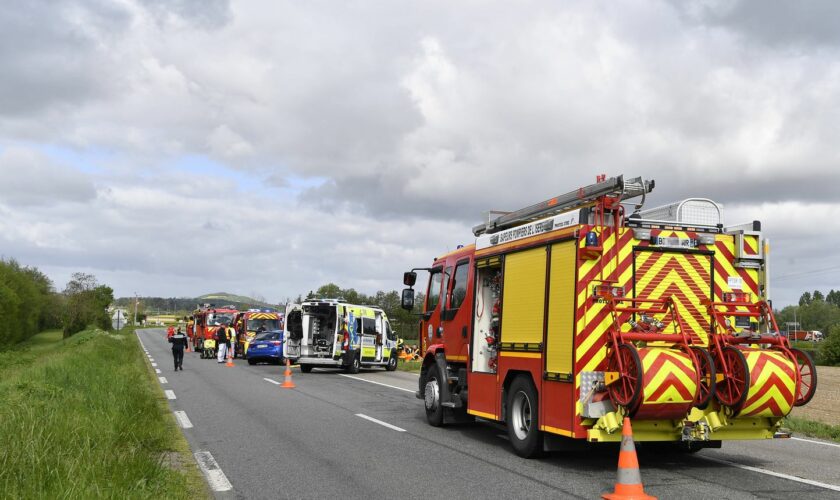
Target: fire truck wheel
392, 363
432, 403
808, 377
306, 368
523, 418
354, 365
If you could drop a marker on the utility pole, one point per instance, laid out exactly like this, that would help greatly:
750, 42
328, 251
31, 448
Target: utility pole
135, 309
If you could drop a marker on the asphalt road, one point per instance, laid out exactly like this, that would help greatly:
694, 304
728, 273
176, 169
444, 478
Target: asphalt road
330, 437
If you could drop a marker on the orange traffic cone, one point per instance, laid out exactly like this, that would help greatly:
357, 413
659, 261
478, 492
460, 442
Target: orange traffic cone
229, 363
629, 483
287, 382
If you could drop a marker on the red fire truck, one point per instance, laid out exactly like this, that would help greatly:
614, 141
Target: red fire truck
565, 316
208, 318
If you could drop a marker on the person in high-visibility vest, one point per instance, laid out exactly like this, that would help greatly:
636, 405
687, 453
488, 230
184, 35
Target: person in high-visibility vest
231, 336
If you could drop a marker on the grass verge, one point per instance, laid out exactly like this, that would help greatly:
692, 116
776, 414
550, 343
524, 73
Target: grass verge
84, 418
814, 429
410, 366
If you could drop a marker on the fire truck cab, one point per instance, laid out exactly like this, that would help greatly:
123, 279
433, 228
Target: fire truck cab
247, 323
208, 318
565, 316
333, 333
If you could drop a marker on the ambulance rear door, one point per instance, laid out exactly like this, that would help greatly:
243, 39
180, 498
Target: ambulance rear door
292, 331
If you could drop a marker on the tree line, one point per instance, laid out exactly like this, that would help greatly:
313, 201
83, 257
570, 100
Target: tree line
816, 311
30, 304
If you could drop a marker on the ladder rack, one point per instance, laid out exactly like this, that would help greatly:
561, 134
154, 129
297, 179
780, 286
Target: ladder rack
614, 186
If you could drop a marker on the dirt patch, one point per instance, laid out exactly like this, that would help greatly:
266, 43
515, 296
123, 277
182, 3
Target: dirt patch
826, 403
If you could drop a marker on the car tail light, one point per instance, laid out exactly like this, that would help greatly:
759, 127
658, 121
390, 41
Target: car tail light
275, 342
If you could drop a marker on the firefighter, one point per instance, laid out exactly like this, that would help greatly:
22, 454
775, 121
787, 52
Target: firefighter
179, 342
221, 344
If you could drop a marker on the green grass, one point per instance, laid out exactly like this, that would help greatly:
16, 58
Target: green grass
410, 366
814, 429
85, 418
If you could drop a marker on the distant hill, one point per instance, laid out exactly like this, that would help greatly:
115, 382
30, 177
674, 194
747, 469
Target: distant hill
220, 298
186, 304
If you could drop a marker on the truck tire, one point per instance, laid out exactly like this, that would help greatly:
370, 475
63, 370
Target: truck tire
392, 363
355, 365
431, 399
306, 368
523, 424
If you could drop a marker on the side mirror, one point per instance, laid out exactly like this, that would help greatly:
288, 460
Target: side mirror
407, 301
409, 279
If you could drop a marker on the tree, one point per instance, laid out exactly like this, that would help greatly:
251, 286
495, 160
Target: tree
86, 303
817, 296
805, 299
833, 297
829, 352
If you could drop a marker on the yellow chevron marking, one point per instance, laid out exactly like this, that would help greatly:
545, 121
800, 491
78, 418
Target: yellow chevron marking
669, 368
786, 375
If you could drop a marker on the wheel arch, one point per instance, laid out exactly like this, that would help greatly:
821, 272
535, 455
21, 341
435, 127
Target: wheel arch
510, 376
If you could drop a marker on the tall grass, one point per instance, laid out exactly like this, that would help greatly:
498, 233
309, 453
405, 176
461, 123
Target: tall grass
80, 418
811, 428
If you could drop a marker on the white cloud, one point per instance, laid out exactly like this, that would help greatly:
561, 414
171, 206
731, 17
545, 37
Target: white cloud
400, 124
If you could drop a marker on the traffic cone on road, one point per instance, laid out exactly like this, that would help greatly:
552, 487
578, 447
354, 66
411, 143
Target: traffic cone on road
629, 483
229, 363
287, 382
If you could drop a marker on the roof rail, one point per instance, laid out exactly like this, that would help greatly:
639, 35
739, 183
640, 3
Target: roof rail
614, 186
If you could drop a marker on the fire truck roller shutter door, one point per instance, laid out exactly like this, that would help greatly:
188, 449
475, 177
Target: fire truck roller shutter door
561, 310
523, 297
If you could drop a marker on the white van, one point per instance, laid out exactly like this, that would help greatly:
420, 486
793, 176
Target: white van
333, 333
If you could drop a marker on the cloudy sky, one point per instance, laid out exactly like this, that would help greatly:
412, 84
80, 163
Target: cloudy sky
179, 147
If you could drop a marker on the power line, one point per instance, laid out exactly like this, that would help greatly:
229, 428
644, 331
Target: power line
807, 273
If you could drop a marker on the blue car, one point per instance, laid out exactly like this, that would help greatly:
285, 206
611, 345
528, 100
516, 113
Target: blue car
266, 346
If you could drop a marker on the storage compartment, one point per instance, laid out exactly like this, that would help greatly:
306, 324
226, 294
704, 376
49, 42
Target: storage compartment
320, 327
488, 308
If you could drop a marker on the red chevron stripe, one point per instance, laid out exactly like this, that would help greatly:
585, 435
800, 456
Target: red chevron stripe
770, 404
670, 381
772, 382
662, 358
720, 246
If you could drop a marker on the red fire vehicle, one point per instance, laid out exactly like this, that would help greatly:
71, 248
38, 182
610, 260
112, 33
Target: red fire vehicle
565, 316
208, 318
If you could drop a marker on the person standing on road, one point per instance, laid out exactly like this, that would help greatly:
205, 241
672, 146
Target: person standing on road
231, 333
179, 343
221, 344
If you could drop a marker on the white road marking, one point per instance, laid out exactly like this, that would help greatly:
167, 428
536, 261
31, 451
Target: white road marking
827, 486
272, 381
163, 380
183, 420
816, 442
385, 424
152, 359
215, 477
377, 383
154, 364
157, 370
169, 394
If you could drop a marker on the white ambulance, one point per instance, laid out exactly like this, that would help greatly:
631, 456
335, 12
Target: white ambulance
332, 333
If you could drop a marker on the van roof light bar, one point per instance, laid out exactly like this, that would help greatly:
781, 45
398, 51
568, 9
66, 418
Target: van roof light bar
614, 186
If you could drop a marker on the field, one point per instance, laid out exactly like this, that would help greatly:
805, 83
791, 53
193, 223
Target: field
81, 418
825, 407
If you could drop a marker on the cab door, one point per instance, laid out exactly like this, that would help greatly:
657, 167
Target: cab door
292, 331
430, 329
456, 311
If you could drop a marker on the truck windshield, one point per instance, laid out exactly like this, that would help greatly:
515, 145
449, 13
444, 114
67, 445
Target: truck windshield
269, 324
219, 319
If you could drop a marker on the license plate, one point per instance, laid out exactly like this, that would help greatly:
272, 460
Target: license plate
261, 346
674, 242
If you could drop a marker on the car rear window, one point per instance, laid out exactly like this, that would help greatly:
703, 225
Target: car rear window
267, 336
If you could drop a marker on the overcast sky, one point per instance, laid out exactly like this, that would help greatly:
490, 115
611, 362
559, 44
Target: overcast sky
176, 148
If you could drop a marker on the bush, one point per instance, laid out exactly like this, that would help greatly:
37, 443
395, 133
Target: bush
830, 347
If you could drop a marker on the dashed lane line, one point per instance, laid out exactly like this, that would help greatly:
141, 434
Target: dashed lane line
827, 486
169, 394
384, 424
215, 477
183, 420
163, 380
157, 370
272, 381
377, 383
154, 364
